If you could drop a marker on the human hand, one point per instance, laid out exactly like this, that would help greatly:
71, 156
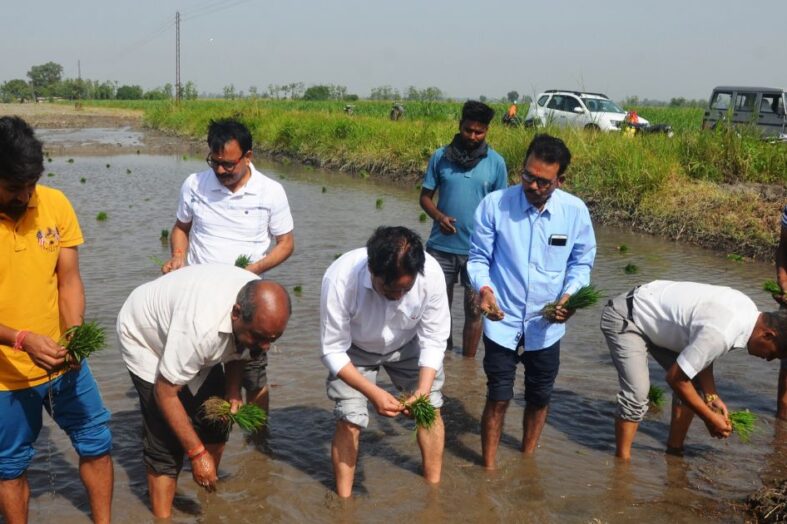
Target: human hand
780, 298
718, 425
176, 262
446, 224
203, 470
718, 406
488, 305
409, 400
562, 314
386, 404
44, 352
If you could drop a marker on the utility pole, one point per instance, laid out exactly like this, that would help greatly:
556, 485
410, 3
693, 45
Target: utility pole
177, 56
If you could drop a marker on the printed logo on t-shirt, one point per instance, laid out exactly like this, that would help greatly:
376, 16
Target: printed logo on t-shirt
48, 239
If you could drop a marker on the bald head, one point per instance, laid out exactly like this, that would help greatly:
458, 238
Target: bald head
260, 314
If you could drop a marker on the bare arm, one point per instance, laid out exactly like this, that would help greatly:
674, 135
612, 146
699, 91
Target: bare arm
179, 245
445, 222
44, 352
383, 402
781, 399
233, 376
71, 291
285, 245
717, 424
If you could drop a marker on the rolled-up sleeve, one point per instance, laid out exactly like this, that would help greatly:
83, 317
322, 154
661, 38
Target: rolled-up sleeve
482, 245
583, 253
185, 212
434, 327
706, 345
335, 334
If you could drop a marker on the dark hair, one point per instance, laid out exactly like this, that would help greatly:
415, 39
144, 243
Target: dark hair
225, 129
21, 153
551, 150
395, 251
777, 321
247, 302
477, 112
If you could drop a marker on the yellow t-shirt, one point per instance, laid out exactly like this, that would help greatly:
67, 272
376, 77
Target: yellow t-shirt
29, 250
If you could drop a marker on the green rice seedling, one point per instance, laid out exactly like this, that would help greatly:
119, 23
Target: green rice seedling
250, 417
656, 396
49, 159
242, 261
631, 269
184, 156
735, 257
324, 189
336, 255
82, 180
101, 216
772, 287
70, 160
164, 234
50, 175
137, 151
622, 248
82, 341
379, 203
423, 217
421, 409
585, 296
128, 171
743, 424
108, 166
297, 290
156, 260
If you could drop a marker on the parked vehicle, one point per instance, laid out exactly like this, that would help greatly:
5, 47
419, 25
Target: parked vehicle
759, 107
577, 109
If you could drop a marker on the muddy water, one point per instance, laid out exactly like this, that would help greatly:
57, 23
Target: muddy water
573, 477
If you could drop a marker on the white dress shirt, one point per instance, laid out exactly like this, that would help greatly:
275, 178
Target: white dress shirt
700, 321
226, 224
352, 312
179, 325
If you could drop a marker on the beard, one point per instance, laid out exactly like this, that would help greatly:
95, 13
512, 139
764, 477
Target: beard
13, 209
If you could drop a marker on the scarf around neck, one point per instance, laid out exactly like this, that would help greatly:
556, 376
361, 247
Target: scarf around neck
456, 153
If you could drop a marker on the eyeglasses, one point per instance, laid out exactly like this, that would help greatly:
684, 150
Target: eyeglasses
529, 178
228, 166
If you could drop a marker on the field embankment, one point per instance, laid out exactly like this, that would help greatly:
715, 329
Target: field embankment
716, 189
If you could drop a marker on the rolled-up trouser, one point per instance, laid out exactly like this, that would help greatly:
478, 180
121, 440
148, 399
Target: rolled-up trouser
629, 348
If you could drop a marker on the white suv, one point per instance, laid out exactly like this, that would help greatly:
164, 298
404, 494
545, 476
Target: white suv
576, 109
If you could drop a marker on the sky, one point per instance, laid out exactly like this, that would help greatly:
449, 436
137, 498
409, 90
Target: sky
656, 50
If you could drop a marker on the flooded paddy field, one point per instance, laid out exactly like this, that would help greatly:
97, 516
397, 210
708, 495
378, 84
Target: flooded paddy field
573, 476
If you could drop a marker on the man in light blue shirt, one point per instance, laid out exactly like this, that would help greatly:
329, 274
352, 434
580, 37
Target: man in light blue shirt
532, 244
462, 173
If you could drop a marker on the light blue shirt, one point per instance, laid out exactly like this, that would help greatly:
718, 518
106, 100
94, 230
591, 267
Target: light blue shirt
459, 192
511, 252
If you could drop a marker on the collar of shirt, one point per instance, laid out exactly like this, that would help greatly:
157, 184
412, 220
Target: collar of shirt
401, 304
528, 208
253, 185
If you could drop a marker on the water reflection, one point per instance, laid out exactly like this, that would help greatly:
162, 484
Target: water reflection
573, 476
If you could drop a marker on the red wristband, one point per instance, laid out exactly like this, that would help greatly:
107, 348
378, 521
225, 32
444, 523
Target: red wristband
195, 452
20, 338
198, 455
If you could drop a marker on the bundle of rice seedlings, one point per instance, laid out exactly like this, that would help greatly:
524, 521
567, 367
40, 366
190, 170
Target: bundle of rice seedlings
423, 217
622, 248
297, 290
743, 424
82, 341
421, 409
164, 234
249, 418
101, 216
772, 287
585, 296
656, 396
242, 261
630, 269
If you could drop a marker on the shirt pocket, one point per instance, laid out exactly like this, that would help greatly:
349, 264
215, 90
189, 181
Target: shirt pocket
406, 318
252, 219
556, 257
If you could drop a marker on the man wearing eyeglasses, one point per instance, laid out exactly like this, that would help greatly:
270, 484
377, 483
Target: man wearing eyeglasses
532, 244
230, 210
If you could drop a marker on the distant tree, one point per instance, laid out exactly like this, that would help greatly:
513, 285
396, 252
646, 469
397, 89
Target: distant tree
413, 93
482, 98
385, 93
16, 90
70, 88
104, 91
127, 92
253, 92
160, 93
432, 94
351, 97
229, 92
44, 78
527, 99
189, 91
512, 96
296, 89
318, 92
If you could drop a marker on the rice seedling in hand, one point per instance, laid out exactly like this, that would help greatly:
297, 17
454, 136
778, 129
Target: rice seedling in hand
82, 341
250, 417
743, 424
656, 396
630, 269
101, 216
242, 261
585, 296
421, 409
156, 260
772, 287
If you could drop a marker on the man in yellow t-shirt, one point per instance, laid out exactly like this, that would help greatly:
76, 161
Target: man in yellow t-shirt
41, 295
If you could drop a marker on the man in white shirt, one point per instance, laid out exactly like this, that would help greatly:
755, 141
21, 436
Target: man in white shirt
230, 210
685, 326
177, 331
383, 306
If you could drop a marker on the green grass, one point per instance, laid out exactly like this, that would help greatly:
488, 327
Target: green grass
630, 269
656, 396
772, 287
743, 423
297, 290
379, 203
83, 340
102, 216
423, 217
242, 261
